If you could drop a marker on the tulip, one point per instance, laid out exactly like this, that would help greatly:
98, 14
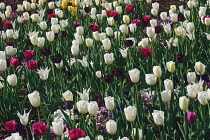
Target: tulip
56, 28
39, 129
124, 29
68, 96
50, 36
109, 58
157, 71
117, 35
64, 4
146, 51
150, 32
202, 98
29, 54
109, 103
106, 44
187, 14
80, 30
24, 117
126, 19
34, 99
191, 117
100, 137
89, 42
119, 9
98, 74
58, 128
84, 95
34, 40
174, 17
109, 31
96, 36
43, 25
93, 108
143, 43
134, 75
83, 62
166, 95
2, 5
75, 50
57, 58
153, 22
51, 5
168, 84
158, 117
190, 4
82, 106
79, 38
150, 79
111, 127
163, 16
43, 74
124, 52
154, 12
132, 27
139, 135
171, 66
35, 17
3, 65
59, 65
10, 126
41, 42
183, 103
155, 5
190, 27
173, 8
130, 113
75, 134
10, 50
14, 136
191, 76
199, 68
192, 90
12, 79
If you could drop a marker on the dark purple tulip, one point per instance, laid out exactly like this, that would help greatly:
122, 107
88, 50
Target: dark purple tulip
158, 29
56, 35
144, 23
135, 16
46, 51
108, 78
118, 72
180, 17
14, 6
57, 58
68, 105
128, 43
191, 117
10, 44
180, 58
64, 33
28, 42
76, 24
115, 18
87, 9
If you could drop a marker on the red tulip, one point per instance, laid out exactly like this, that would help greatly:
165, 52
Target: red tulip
8, 24
32, 64
137, 22
10, 126
39, 128
14, 62
129, 8
75, 134
29, 54
146, 51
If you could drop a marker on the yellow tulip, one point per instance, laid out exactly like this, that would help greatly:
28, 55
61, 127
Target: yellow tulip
64, 4
73, 10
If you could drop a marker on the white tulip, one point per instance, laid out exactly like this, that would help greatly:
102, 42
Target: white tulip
150, 79
166, 95
109, 103
183, 103
12, 79
10, 50
199, 68
158, 117
124, 52
93, 108
202, 98
111, 127
84, 95
168, 84
68, 96
157, 71
124, 29
106, 44
191, 76
24, 117
58, 128
134, 75
109, 58
34, 99
130, 113
43, 73
82, 106
150, 32
3, 65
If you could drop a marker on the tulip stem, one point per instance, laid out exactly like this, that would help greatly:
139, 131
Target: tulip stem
38, 114
26, 132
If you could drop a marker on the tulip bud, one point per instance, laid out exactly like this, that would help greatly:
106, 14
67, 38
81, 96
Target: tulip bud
119, 9
100, 137
10, 50
82, 106
174, 17
41, 42
12, 79
191, 76
171, 66
202, 98
190, 27
150, 79
158, 117
153, 22
173, 8
50, 36
43, 25
59, 65
80, 30
126, 19
34, 99
124, 29
167, 28
190, 4
132, 27
98, 74
56, 28
58, 128
89, 42
183, 103
111, 127
35, 17
68, 96
26, 16
51, 5
134, 75
109, 103
109, 31
106, 44
154, 12
24, 117
3, 65
157, 71
163, 16
111, 21
96, 36
130, 113
166, 95
150, 32
168, 84
7, 14
93, 108
109, 58
199, 68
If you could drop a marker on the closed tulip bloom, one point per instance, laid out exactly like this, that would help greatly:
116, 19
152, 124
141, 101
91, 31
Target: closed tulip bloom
192, 90
58, 128
191, 76
80, 30
93, 108
207, 21
56, 28
134, 75
183, 103
199, 68
43, 25
75, 50
111, 21
168, 84
34, 99
158, 117
111, 127
27, 6
12, 79
109, 103
43, 74
130, 113
24, 117
126, 19
98, 74
109, 31
89, 42
190, 4
155, 5
154, 12
191, 117
119, 9
174, 17
190, 27
50, 36
35, 17
202, 98
51, 5
100, 137
10, 50
166, 95
171, 66
109, 58
124, 29
41, 42
3, 65
59, 65
106, 44
163, 16
167, 28
150, 79
34, 40
68, 96
64, 4
157, 71
82, 106
124, 52
153, 22
132, 27
150, 32
96, 36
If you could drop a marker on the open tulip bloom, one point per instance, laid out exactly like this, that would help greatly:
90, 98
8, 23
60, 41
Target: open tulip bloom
86, 70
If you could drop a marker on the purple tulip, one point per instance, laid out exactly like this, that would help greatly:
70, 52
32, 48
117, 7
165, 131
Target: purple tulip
191, 117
